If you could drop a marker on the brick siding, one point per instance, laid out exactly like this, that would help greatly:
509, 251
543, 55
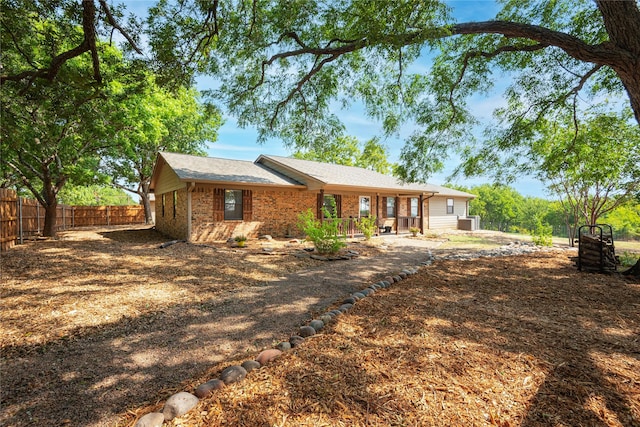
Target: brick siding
167, 224
274, 212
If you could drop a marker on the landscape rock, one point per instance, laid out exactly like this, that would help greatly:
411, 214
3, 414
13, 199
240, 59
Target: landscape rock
153, 419
326, 319
266, 237
250, 365
319, 257
359, 295
268, 355
233, 374
403, 275
209, 387
350, 300
284, 346
316, 324
345, 307
178, 405
306, 331
296, 340
301, 255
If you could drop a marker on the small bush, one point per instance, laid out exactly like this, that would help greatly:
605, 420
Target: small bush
628, 259
325, 235
368, 225
414, 230
542, 235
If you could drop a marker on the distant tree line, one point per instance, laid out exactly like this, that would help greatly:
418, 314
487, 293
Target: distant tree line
502, 208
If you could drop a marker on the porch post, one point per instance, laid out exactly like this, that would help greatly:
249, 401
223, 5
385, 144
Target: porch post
421, 213
397, 216
320, 205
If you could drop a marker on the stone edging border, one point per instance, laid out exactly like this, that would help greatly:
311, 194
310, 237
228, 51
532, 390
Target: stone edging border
182, 402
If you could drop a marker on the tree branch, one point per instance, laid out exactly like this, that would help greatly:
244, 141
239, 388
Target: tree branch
298, 87
111, 20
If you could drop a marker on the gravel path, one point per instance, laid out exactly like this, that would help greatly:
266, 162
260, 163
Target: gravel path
84, 381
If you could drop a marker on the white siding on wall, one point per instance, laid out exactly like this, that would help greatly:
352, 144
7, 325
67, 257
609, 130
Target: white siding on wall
438, 217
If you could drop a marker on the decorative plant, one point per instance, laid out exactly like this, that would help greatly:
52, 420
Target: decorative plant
368, 225
414, 231
241, 239
542, 234
325, 235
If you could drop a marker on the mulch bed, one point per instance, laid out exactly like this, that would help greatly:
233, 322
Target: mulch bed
523, 340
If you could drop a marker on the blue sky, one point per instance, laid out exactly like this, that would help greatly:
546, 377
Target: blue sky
241, 143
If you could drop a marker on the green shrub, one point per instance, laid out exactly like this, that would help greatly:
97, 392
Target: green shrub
368, 225
628, 259
542, 234
325, 235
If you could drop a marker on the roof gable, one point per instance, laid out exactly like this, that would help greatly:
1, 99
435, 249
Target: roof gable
191, 168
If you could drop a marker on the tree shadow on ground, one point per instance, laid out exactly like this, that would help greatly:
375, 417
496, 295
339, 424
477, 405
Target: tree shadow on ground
94, 373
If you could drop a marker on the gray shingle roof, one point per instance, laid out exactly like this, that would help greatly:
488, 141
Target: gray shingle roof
212, 169
286, 171
331, 174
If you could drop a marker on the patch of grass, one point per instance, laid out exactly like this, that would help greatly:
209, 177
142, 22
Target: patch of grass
471, 242
628, 245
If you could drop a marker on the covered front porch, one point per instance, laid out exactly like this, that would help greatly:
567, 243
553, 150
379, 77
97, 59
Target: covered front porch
400, 225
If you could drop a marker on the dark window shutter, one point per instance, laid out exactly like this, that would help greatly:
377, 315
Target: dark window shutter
218, 204
247, 205
384, 207
408, 206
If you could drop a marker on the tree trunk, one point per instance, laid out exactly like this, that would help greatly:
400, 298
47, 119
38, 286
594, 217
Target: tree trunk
622, 21
50, 219
148, 217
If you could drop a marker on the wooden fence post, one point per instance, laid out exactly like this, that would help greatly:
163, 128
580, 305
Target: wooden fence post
20, 226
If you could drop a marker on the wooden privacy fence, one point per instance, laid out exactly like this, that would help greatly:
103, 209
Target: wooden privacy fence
22, 218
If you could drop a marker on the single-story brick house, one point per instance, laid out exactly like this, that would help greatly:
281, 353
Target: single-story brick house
204, 199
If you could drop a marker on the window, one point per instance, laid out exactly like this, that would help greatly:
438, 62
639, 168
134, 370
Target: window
175, 203
232, 204
413, 206
329, 203
449, 206
391, 207
365, 206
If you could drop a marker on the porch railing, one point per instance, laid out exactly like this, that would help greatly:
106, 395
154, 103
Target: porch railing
349, 226
407, 222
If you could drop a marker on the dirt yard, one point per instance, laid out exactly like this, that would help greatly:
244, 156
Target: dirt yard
100, 329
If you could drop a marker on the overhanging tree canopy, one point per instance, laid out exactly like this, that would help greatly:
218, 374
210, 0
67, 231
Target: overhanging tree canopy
283, 63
